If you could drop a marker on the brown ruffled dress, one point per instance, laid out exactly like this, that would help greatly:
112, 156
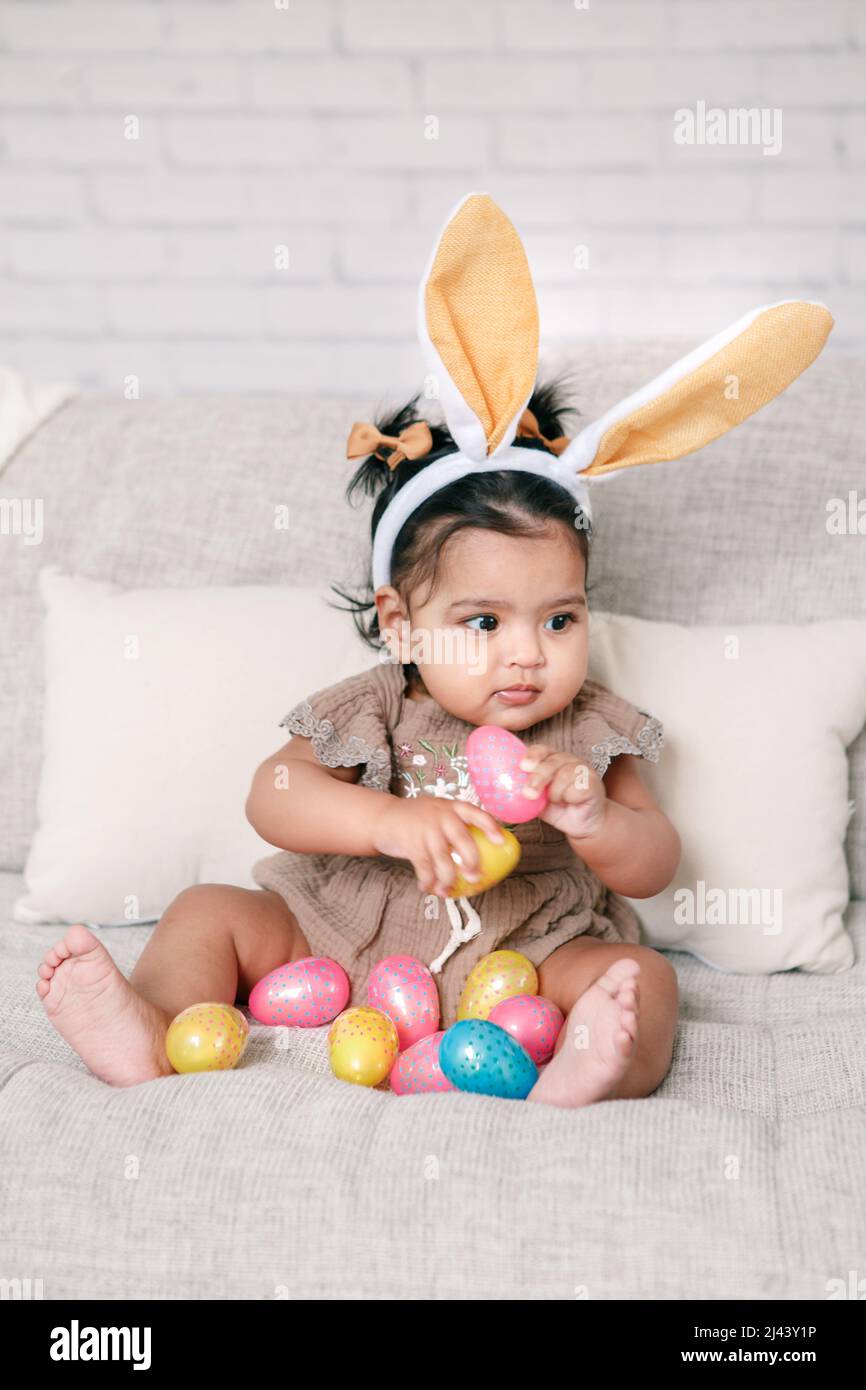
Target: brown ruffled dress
358, 909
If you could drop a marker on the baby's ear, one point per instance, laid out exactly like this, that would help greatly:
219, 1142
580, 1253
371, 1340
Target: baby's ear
478, 325
707, 392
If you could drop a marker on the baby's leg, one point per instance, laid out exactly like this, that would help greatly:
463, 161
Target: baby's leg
213, 942
620, 1004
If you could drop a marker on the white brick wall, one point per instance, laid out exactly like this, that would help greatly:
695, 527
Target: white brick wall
302, 124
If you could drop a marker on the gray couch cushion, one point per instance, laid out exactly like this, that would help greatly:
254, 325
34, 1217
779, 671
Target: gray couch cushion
741, 1177
181, 492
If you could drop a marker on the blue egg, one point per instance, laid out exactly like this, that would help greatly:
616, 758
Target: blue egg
477, 1055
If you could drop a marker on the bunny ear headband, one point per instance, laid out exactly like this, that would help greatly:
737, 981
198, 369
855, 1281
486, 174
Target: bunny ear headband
478, 326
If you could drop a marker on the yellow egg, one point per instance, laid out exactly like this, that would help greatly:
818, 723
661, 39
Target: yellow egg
363, 1044
497, 862
497, 976
207, 1037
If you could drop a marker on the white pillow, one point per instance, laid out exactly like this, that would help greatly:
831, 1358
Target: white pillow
754, 775
148, 758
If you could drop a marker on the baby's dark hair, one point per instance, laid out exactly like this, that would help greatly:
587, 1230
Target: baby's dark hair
510, 501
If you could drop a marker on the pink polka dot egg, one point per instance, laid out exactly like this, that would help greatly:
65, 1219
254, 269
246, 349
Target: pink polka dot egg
305, 993
493, 756
417, 1070
404, 989
533, 1021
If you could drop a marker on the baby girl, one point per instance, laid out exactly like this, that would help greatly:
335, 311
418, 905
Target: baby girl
478, 594
370, 796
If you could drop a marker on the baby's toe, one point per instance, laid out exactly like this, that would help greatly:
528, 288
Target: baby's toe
45, 970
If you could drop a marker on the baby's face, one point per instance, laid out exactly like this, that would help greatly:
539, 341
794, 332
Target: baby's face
506, 611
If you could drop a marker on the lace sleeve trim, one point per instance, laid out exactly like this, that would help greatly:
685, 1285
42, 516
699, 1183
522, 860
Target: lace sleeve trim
333, 751
650, 741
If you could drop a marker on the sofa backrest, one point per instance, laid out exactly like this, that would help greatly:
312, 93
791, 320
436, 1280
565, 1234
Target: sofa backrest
183, 491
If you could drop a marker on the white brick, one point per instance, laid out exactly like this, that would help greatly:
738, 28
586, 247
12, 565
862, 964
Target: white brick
395, 252
816, 79
82, 27
328, 84
400, 142
247, 253
738, 257
593, 82
853, 257
556, 26
35, 196
852, 136
85, 253
341, 311
570, 313
72, 139
163, 84
166, 196
612, 256
502, 84
698, 311
243, 140
305, 26
54, 82
33, 307
235, 312
804, 199
669, 80
393, 26
771, 24
571, 142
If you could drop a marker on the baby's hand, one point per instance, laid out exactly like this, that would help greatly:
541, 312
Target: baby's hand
578, 799
425, 829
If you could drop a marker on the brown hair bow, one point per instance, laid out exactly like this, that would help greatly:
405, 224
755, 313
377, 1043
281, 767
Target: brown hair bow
411, 443
528, 425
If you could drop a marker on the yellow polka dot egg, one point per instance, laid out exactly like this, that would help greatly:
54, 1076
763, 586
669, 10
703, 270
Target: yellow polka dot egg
207, 1037
363, 1044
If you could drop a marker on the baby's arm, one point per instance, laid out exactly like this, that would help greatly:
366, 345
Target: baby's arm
298, 804
636, 849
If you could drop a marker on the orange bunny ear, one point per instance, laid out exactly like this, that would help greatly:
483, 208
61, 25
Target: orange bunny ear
707, 392
478, 325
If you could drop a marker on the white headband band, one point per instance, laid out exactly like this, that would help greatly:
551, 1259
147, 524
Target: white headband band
453, 466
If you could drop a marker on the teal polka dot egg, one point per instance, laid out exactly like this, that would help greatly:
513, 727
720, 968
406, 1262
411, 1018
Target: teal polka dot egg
479, 1056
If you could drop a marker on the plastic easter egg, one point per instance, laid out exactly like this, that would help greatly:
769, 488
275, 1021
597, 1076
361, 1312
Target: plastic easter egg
496, 862
403, 988
532, 1021
493, 756
363, 1044
207, 1037
496, 976
479, 1056
304, 993
418, 1069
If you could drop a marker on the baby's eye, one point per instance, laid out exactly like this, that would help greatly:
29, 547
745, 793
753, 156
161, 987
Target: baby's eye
482, 618
570, 616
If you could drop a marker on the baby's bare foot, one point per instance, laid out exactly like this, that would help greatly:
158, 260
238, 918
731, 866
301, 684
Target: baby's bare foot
119, 1035
600, 1038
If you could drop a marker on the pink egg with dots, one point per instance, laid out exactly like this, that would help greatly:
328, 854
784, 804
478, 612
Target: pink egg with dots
417, 1070
404, 989
305, 993
532, 1021
493, 756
